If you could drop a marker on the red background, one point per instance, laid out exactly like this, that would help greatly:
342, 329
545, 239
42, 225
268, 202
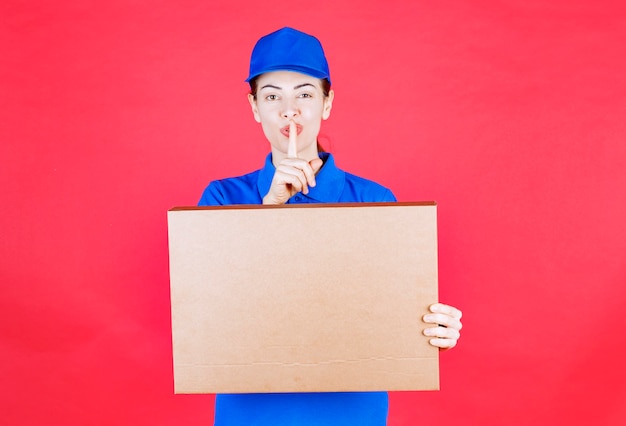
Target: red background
510, 114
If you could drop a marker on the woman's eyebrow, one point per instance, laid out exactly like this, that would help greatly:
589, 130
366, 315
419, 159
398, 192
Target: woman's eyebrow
271, 86
299, 86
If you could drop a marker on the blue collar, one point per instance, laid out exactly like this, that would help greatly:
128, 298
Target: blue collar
329, 180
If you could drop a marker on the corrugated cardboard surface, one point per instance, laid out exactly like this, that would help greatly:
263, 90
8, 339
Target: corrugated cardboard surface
303, 298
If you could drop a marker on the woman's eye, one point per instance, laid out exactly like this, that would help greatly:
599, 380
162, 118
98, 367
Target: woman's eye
271, 97
305, 95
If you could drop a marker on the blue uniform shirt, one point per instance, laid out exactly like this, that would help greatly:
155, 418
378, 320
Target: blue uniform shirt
332, 186
302, 409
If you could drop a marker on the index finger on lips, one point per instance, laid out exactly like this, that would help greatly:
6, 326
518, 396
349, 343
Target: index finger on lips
292, 148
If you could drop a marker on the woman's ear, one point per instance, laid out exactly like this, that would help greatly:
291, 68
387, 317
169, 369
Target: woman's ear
328, 104
255, 110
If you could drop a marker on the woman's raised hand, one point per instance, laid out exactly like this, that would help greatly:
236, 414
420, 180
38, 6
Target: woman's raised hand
293, 174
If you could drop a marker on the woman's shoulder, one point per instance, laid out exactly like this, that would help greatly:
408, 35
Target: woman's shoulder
366, 190
233, 190
345, 187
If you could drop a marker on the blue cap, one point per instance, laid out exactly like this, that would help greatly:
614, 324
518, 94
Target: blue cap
289, 50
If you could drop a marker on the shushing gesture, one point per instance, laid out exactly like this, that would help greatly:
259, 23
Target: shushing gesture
293, 174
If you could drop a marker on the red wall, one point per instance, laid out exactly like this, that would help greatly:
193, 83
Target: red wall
510, 114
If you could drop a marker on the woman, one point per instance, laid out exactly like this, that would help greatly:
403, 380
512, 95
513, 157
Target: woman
290, 96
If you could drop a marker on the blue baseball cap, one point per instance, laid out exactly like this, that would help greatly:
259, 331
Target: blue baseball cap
289, 50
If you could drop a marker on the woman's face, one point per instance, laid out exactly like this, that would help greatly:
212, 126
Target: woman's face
283, 96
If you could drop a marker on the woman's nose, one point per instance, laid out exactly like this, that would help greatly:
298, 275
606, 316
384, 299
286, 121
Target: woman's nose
289, 109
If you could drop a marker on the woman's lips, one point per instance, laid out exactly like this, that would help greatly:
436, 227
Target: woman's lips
285, 130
